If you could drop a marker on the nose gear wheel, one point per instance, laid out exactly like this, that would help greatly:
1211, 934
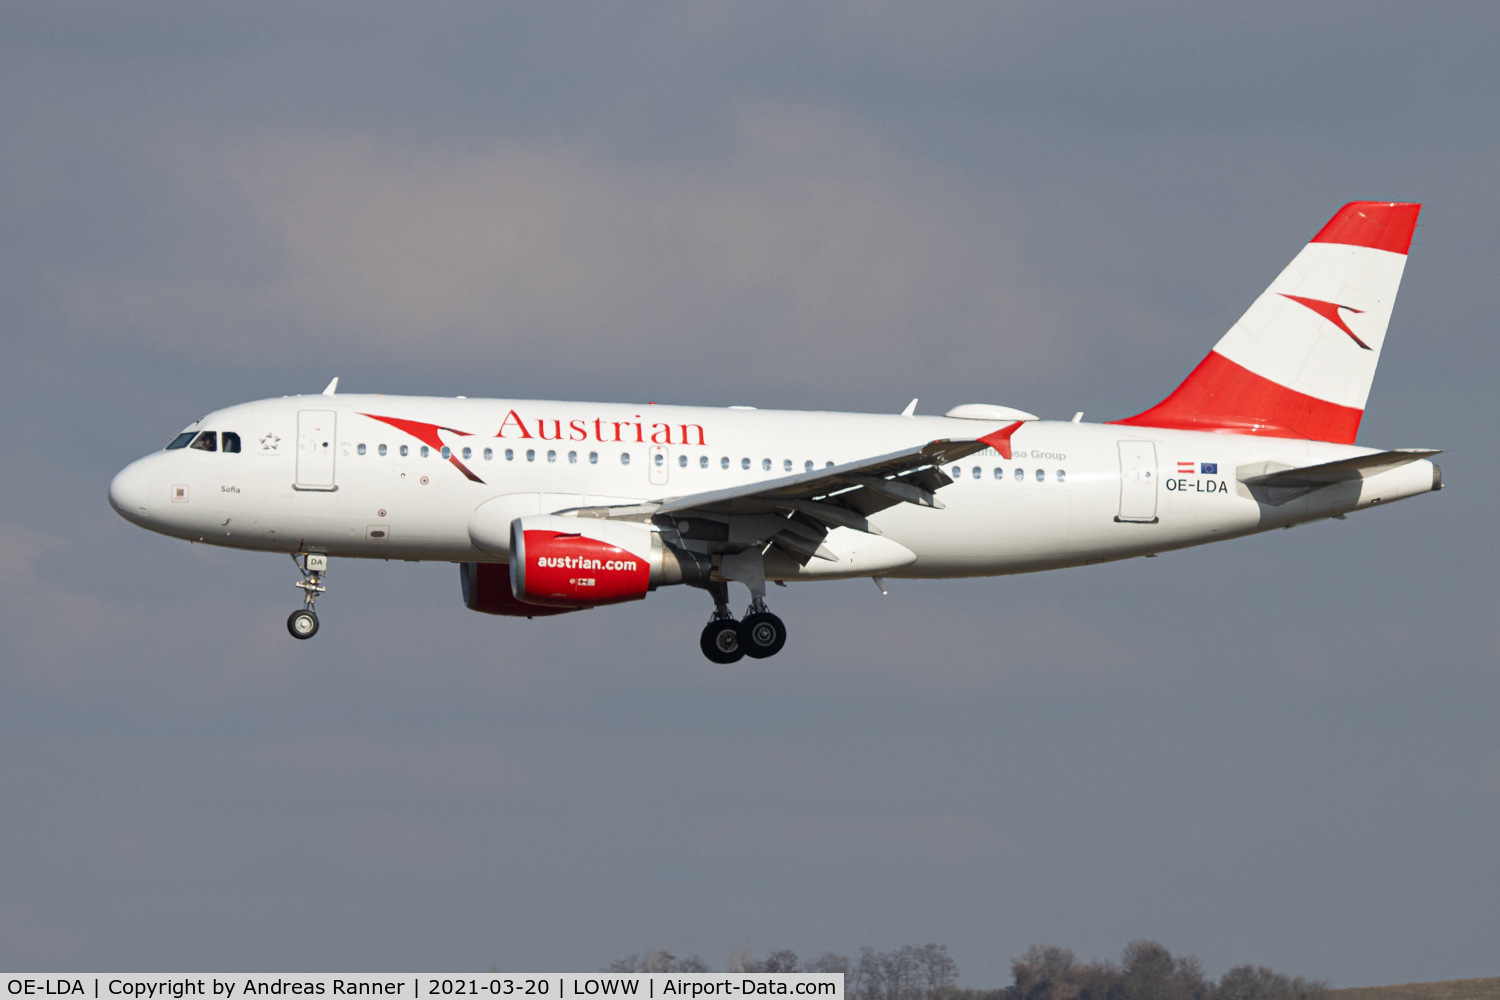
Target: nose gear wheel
302, 624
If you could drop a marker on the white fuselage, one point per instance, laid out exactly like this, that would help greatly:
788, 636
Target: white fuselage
336, 480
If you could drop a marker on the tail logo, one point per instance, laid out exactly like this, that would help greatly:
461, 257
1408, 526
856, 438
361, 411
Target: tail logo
1330, 312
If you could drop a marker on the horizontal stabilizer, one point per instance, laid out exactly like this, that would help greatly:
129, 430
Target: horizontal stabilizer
1360, 467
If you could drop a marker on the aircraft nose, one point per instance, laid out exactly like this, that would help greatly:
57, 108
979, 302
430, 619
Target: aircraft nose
129, 491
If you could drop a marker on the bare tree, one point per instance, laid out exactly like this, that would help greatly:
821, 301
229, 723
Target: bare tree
778, 961
1044, 972
1149, 972
660, 960
936, 969
1248, 982
1146, 971
908, 973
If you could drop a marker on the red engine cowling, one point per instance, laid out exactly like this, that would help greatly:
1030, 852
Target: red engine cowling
569, 569
487, 589
575, 562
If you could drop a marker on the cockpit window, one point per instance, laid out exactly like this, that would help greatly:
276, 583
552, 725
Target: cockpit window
181, 440
232, 441
207, 441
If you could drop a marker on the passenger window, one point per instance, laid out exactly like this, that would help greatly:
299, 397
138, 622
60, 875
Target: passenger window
807, 465
957, 472
531, 454
724, 462
232, 442
551, 455
444, 451
207, 441
624, 458
489, 453
510, 454
405, 451
1062, 475
682, 461
381, 449
572, 458
359, 448
1020, 474
468, 452
593, 458
999, 473
829, 465
744, 463
765, 465
702, 461
978, 472
660, 460
181, 440
425, 451
1041, 475
786, 465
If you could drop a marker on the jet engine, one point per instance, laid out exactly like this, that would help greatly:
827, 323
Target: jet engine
576, 562
487, 589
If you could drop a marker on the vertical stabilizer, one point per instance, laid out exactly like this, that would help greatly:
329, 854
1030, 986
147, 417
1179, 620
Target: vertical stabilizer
1299, 363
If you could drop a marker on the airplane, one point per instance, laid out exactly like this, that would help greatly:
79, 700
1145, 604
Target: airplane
551, 507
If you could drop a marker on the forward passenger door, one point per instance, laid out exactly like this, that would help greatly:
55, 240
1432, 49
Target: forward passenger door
315, 449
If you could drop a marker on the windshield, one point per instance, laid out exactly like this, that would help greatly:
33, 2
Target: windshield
181, 440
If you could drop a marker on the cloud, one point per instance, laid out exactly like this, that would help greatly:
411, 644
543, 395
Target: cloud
45, 624
813, 246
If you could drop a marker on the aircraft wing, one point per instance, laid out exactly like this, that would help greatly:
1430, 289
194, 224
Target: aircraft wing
797, 512
862, 487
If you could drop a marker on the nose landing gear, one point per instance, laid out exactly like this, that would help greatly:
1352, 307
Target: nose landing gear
314, 568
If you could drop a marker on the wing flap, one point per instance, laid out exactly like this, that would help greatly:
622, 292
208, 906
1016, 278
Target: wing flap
864, 487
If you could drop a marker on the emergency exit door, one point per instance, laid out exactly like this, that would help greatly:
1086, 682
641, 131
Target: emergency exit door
1137, 482
660, 462
315, 449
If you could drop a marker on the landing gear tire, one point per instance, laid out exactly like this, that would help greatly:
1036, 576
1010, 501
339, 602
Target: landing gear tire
302, 624
721, 641
762, 634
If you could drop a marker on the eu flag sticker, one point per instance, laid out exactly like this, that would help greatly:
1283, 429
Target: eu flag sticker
1210, 468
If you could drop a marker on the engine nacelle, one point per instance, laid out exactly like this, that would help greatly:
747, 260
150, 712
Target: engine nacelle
577, 562
487, 589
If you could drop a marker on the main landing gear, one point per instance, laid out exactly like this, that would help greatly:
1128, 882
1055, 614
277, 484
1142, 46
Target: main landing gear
724, 640
314, 568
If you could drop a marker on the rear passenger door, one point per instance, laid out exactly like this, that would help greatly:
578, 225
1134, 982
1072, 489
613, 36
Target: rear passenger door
1137, 482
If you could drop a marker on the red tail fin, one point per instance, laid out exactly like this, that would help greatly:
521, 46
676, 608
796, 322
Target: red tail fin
1300, 362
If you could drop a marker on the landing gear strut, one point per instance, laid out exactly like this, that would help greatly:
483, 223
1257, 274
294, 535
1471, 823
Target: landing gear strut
759, 635
720, 641
762, 634
313, 567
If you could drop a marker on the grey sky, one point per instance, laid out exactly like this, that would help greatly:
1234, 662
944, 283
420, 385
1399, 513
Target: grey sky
1279, 750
